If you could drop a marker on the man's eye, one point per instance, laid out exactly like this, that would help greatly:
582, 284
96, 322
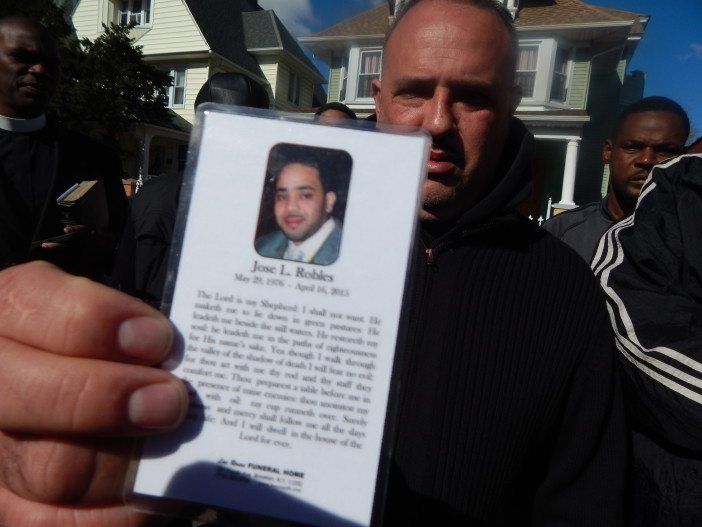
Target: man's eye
475, 99
630, 148
307, 195
280, 197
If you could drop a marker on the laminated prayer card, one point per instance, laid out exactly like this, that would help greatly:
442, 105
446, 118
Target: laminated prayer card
287, 284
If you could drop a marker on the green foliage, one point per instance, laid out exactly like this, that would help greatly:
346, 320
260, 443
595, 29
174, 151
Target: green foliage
112, 85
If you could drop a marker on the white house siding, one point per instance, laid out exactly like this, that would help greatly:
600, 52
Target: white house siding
269, 67
281, 89
173, 30
196, 75
86, 19
306, 90
334, 77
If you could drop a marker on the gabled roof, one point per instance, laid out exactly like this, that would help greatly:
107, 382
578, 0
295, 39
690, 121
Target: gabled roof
263, 30
532, 13
221, 23
372, 22
566, 12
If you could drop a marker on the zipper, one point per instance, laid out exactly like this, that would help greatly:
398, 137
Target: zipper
431, 252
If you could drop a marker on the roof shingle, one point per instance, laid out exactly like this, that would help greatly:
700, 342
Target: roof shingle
372, 22
531, 13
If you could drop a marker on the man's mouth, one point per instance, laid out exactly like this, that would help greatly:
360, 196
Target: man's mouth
441, 162
33, 88
293, 222
639, 179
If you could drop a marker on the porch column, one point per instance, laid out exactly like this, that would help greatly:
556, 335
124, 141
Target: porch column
571, 163
512, 6
144, 166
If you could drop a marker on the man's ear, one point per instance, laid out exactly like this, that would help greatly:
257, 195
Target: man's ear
607, 151
329, 201
375, 86
516, 98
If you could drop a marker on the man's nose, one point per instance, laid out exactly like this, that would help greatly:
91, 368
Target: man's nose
293, 203
438, 115
647, 158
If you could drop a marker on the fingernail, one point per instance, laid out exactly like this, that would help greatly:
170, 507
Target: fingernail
158, 406
147, 338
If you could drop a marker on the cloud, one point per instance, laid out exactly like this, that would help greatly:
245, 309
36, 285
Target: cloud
695, 52
297, 15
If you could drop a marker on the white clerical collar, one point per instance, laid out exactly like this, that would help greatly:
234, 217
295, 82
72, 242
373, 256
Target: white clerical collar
22, 126
307, 249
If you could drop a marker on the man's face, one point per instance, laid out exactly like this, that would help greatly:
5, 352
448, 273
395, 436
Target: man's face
301, 205
29, 70
643, 140
332, 116
449, 69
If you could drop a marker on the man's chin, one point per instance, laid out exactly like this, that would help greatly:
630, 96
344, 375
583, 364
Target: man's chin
438, 201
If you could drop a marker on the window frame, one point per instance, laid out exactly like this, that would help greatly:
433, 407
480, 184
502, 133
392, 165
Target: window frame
536, 66
568, 66
376, 75
145, 12
294, 87
545, 72
344, 78
170, 93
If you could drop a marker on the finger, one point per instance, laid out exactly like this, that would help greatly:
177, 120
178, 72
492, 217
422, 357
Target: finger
44, 393
19, 512
59, 470
75, 228
50, 245
51, 310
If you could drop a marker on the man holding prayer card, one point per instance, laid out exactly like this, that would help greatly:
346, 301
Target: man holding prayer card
508, 410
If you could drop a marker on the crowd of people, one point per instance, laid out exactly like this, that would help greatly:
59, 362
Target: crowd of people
533, 391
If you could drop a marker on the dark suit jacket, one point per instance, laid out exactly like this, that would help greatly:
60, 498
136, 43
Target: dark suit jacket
273, 245
75, 158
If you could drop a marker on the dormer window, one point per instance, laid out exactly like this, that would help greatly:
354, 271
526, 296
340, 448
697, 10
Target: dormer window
137, 12
559, 84
368, 72
526, 69
543, 71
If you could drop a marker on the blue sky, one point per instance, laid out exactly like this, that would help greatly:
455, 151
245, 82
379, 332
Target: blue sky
670, 53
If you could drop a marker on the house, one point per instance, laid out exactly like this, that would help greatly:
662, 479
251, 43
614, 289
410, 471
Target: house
572, 65
194, 39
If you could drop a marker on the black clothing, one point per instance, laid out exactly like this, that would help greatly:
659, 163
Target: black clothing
651, 270
509, 411
509, 408
35, 168
582, 228
142, 259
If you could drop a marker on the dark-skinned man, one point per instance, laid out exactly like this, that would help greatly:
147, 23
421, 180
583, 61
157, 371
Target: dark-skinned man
509, 411
646, 133
39, 161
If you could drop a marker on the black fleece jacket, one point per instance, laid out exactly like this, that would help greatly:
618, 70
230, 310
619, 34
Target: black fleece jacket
509, 410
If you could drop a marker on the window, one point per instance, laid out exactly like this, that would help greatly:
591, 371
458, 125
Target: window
526, 69
368, 71
559, 83
137, 12
176, 93
294, 88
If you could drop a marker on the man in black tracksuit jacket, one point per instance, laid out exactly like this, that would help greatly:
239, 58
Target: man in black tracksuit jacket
650, 267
